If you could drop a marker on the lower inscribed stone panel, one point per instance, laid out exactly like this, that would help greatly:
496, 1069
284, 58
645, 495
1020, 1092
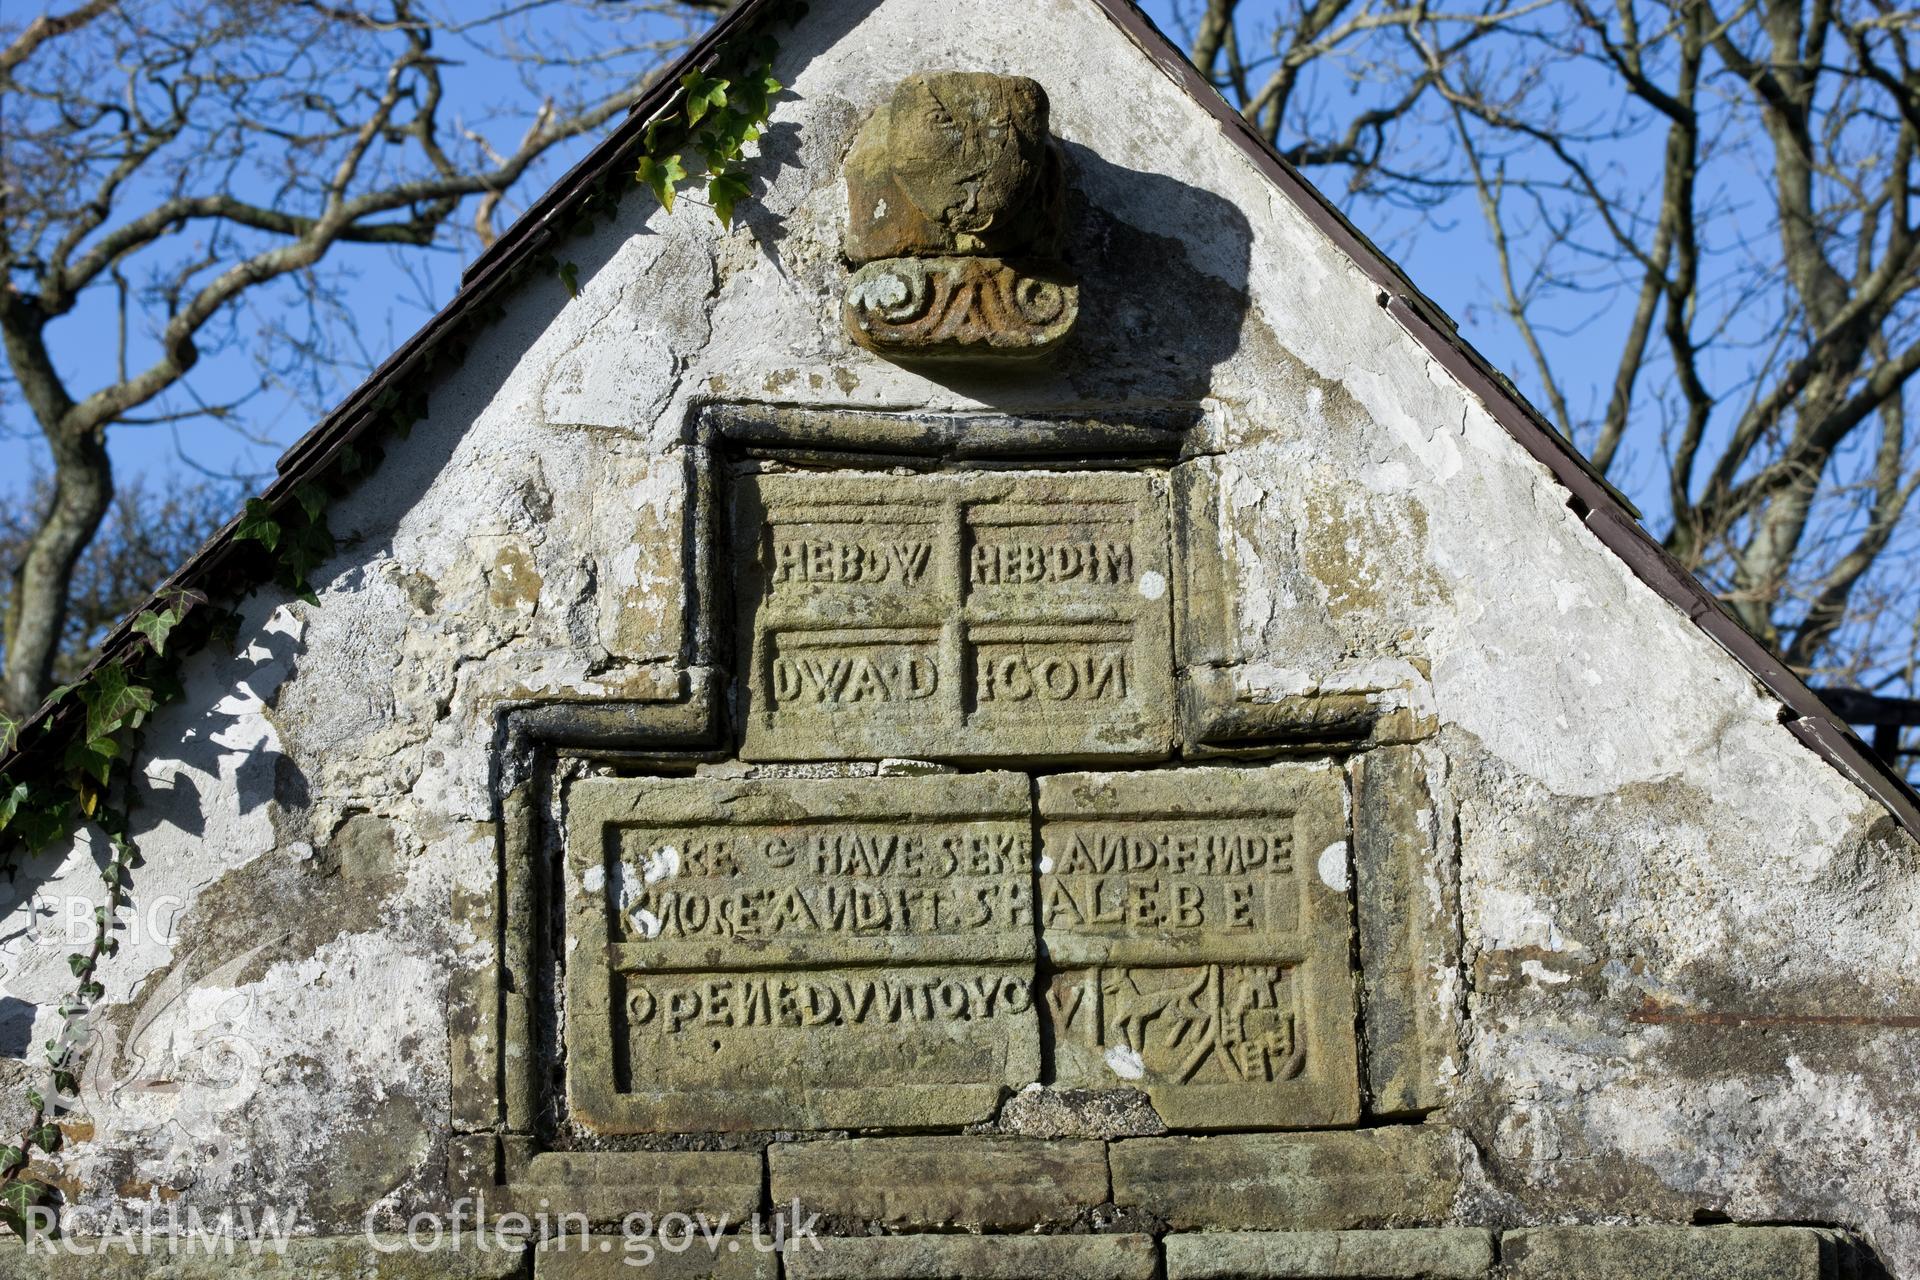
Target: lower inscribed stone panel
798, 953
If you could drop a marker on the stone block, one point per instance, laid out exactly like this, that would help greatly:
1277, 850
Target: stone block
719, 1188
1409, 923
974, 1182
1404, 1175
1673, 1253
1200, 925
325, 1258
622, 1257
1445, 1254
955, 1257
954, 616
725, 936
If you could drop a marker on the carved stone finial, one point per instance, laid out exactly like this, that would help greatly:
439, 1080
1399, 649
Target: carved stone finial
956, 198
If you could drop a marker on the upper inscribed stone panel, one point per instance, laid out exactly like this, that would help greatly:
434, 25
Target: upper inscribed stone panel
975, 616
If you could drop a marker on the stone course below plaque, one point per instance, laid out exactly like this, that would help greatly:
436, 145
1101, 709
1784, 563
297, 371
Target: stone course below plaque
1448, 1254
1011, 617
1398, 1175
970, 1182
955, 1257
1675, 1253
798, 954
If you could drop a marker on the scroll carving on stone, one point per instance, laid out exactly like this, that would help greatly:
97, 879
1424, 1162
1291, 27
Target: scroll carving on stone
956, 195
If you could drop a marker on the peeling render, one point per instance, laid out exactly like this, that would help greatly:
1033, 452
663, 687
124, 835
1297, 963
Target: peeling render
1637, 845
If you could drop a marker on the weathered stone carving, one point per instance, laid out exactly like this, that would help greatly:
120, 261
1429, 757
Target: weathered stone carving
798, 954
954, 617
1199, 922
955, 194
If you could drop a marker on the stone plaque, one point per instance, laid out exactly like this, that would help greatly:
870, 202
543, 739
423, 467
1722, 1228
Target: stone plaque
976, 616
796, 954
1198, 927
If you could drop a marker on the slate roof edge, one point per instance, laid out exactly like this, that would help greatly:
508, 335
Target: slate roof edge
1603, 508
1605, 511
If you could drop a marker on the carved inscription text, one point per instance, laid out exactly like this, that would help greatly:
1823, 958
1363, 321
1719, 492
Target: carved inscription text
799, 954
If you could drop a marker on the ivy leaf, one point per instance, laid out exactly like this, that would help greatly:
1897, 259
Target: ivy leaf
46, 1137
660, 177
725, 189
94, 758
17, 1199
703, 94
258, 525
157, 624
10, 801
304, 551
312, 499
41, 827
113, 701
11, 1157
570, 277
653, 132
753, 95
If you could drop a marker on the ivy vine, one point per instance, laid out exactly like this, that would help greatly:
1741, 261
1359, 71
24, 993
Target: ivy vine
283, 539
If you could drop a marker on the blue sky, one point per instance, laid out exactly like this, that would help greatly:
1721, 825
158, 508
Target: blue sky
392, 295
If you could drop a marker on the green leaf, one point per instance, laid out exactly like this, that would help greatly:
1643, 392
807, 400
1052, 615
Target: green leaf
114, 701
78, 961
40, 827
11, 1157
703, 94
660, 177
652, 142
258, 525
46, 1137
157, 624
725, 189
11, 798
93, 757
17, 1199
754, 95
312, 499
303, 551
570, 277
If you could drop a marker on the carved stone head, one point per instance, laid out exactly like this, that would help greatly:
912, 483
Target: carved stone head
955, 195
958, 162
